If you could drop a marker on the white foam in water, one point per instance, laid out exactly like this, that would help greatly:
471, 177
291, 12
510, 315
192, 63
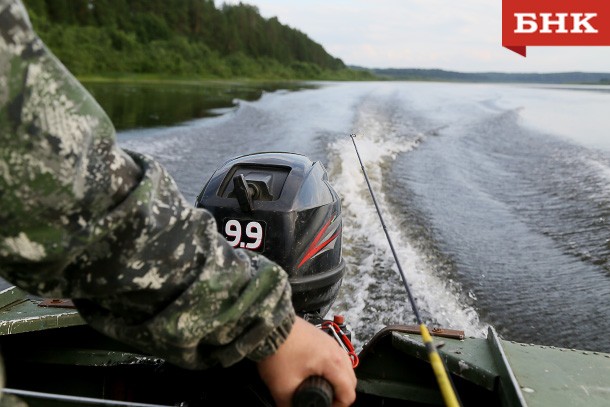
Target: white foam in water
435, 296
603, 170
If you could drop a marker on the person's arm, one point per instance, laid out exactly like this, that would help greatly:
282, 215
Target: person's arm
83, 219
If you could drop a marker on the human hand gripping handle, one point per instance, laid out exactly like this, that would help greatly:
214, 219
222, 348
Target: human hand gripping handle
308, 352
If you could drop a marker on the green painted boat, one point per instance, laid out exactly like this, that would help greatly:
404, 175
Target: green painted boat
52, 358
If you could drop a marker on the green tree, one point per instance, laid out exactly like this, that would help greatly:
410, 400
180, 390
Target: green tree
178, 37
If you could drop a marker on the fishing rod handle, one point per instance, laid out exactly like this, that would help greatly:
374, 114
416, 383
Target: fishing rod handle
315, 391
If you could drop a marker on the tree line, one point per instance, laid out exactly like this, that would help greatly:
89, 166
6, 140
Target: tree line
179, 38
496, 77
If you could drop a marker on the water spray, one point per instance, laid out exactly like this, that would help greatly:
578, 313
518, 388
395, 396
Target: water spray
442, 377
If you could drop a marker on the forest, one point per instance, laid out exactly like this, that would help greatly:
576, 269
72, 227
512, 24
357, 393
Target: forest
184, 38
411, 74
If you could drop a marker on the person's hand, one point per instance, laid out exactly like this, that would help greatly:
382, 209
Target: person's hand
308, 352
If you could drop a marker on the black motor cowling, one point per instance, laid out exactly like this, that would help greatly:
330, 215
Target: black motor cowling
282, 205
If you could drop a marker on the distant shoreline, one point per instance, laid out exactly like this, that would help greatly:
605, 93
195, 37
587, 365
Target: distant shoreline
584, 78
540, 79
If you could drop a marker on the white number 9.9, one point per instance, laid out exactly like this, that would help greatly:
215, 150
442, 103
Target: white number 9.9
233, 230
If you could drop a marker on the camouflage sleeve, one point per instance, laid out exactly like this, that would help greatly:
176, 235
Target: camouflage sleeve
84, 219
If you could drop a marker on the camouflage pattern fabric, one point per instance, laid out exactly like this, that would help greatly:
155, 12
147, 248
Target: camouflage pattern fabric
83, 219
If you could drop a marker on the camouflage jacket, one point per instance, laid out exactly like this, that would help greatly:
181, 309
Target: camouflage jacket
83, 219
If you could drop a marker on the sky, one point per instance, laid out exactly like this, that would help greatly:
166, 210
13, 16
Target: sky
461, 36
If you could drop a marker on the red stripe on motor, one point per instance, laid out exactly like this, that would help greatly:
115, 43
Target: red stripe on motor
314, 248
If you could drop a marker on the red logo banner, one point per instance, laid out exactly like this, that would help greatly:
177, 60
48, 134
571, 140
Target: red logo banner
554, 23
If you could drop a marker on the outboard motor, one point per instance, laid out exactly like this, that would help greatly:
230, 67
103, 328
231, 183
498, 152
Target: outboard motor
282, 205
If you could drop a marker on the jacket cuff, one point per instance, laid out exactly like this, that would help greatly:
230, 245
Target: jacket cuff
275, 339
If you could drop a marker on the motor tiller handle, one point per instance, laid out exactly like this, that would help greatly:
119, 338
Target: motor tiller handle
315, 391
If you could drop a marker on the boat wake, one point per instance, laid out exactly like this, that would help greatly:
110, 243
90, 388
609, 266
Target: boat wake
372, 295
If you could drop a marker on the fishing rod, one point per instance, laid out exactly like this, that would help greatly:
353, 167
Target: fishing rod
444, 383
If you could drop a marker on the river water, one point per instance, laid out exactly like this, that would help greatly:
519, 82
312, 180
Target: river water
497, 197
